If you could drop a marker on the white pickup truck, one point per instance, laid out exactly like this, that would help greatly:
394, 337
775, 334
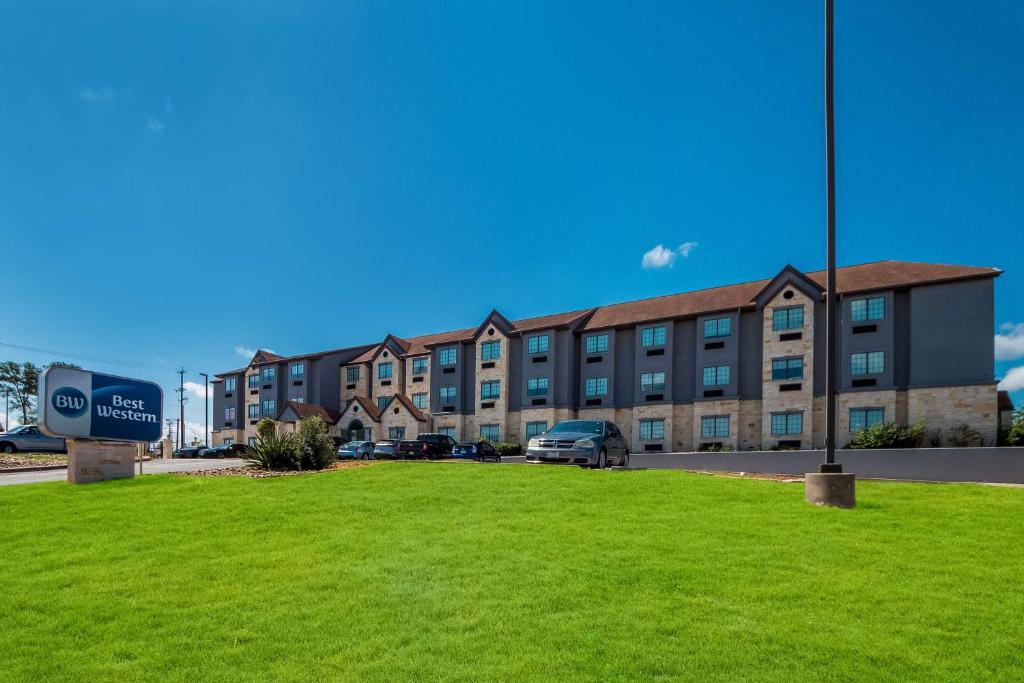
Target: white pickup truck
29, 439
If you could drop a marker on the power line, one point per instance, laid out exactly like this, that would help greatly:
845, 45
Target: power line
155, 366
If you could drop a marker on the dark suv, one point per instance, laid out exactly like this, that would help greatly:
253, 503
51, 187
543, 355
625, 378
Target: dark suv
438, 445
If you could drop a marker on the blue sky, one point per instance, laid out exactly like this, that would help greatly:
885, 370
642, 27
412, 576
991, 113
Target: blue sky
180, 180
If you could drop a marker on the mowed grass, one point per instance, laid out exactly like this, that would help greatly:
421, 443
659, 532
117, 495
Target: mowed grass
407, 571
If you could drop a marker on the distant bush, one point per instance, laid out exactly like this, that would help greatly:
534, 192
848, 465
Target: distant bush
963, 436
507, 448
1014, 436
889, 435
314, 446
714, 448
273, 451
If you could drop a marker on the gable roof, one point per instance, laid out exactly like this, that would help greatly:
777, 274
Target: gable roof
788, 275
306, 410
413, 410
368, 406
496, 319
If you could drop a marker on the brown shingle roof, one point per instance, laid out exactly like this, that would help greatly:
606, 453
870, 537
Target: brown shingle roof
306, 410
413, 410
369, 407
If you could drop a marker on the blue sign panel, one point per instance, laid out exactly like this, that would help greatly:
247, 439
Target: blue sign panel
89, 405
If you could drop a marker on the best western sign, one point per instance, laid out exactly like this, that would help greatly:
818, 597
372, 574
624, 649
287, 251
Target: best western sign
79, 404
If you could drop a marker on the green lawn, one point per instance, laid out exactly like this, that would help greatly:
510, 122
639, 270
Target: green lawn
405, 571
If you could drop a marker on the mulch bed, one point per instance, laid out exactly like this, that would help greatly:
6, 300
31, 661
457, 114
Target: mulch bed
15, 461
254, 472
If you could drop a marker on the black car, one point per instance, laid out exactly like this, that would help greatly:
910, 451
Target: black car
411, 449
438, 445
225, 450
189, 451
477, 450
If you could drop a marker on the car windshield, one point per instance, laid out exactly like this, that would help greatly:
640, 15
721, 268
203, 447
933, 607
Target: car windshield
350, 444
19, 429
577, 427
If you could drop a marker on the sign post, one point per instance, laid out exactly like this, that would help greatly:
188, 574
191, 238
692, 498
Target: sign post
103, 417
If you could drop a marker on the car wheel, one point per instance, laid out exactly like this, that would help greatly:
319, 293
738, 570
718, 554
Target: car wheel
8, 448
625, 459
602, 460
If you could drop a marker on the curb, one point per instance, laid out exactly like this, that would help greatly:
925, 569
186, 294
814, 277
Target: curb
43, 468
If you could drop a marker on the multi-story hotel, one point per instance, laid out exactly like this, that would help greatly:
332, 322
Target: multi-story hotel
736, 367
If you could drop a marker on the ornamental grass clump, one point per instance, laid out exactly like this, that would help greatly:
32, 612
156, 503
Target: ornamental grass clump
273, 451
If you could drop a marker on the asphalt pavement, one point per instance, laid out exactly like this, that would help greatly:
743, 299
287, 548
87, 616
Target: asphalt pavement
148, 467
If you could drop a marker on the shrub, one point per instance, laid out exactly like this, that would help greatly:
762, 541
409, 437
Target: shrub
963, 436
273, 451
507, 448
315, 447
889, 435
1014, 436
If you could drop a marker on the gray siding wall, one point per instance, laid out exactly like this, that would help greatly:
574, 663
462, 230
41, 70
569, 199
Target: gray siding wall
685, 338
657, 363
729, 355
951, 333
564, 371
439, 378
516, 384
751, 351
604, 367
530, 366
880, 340
220, 401
623, 370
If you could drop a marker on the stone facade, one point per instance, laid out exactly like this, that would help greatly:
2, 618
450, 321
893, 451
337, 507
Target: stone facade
659, 411
682, 427
492, 370
361, 386
722, 408
749, 418
885, 399
396, 415
550, 416
456, 421
387, 386
945, 408
223, 436
251, 398
790, 395
355, 417
418, 383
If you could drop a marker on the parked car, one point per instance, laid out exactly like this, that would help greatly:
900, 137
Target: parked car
356, 450
29, 438
189, 451
477, 450
438, 445
411, 449
224, 450
591, 443
385, 448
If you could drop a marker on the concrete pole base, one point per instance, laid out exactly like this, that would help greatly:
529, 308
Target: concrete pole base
834, 489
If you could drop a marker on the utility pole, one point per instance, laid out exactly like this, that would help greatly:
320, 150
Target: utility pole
206, 394
181, 407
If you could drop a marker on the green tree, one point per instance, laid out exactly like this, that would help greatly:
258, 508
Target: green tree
316, 447
21, 382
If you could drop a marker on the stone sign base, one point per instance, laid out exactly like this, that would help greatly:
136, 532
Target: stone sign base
90, 461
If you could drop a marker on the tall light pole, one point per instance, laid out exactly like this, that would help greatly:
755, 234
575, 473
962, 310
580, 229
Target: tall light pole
206, 393
830, 485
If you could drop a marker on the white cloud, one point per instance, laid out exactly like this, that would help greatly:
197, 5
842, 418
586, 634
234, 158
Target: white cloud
1010, 341
247, 352
658, 257
88, 93
686, 247
1013, 381
196, 389
154, 124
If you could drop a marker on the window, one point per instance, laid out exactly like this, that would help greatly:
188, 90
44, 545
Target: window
384, 370
597, 386
490, 350
490, 433
254, 381
787, 368
716, 375
535, 429
269, 406
446, 431
652, 381
228, 441
490, 390
419, 366
652, 336
298, 370
269, 374
652, 430
537, 386
714, 426
396, 432
420, 400
229, 414
447, 394
868, 363
717, 327
791, 318
787, 423
597, 343
230, 384
862, 418
299, 399
352, 374
251, 441
382, 402
537, 344
867, 309
448, 355
254, 410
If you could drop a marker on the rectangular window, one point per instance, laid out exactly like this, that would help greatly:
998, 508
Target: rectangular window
419, 366
229, 414
714, 426
791, 318
230, 384
299, 399
490, 350
269, 407
652, 381
537, 344
717, 327
490, 433
269, 374
254, 410
396, 432
862, 418
382, 402
597, 386
652, 430
867, 309
535, 429
787, 368
448, 355
298, 370
652, 336
384, 370
490, 390
717, 375
420, 400
787, 423
228, 442
254, 381
352, 374
537, 386
597, 343
446, 431
868, 363
447, 394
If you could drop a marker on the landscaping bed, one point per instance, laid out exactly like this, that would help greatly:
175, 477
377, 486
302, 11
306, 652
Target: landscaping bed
11, 461
255, 472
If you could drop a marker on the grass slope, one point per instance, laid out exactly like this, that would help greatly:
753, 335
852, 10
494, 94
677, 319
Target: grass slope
421, 571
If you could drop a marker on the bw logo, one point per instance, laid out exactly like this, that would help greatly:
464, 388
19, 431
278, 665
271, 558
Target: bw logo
69, 402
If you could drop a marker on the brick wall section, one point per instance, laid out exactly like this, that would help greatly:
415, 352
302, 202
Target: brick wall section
420, 387
682, 427
456, 420
222, 435
945, 408
397, 379
885, 399
499, 413
354, 411
730, 407
550, 415
250, 399
621, 417
772, 399
397, 415
661, 411
749, 436
362, 385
